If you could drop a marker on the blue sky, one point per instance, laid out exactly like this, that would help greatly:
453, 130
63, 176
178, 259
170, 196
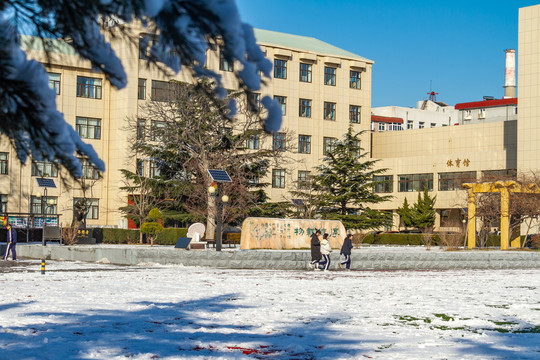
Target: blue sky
456, 45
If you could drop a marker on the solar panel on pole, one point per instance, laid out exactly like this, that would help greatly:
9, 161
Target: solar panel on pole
219, 175
46, 183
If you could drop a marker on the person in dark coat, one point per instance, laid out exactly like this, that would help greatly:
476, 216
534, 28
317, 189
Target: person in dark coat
346, 251
315, 250
11, 242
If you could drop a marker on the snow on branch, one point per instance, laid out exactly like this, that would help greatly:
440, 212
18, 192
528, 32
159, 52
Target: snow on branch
29, 115
185, 27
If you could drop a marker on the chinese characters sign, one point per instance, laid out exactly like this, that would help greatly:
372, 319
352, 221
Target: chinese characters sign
458, 162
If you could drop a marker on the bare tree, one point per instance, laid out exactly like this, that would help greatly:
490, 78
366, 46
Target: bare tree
524, 207
189, 131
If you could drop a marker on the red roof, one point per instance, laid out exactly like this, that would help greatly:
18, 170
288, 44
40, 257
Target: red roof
486, 103
386, 119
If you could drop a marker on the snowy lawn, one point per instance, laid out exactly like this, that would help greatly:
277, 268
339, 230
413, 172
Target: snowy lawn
96, 311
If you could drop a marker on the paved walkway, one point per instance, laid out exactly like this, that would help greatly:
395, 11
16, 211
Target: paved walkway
365, 258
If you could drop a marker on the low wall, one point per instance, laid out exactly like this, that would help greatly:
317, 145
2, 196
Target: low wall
284, 260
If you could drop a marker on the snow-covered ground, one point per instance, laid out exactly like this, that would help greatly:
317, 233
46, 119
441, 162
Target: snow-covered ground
97, 311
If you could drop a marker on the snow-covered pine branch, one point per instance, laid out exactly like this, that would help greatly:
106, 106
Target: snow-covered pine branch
30, 118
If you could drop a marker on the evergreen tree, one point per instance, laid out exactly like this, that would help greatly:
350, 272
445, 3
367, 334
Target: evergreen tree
423, 212
345, 183
405, 213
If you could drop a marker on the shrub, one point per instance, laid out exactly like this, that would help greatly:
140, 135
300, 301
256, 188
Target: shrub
155, 215
451, 241
69, 234
392, 239
116, 236
535, 242
151, 230
427, 239
169, 236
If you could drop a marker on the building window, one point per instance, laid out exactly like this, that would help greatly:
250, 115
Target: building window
278, 143
143, 46
329, 144
252, 142
452, 181
329, 76
44, 169
305, 72
303, 179
482, 113
354, 114
156, 130
415, 182
280, 69
88, 87
92, 207
283, 103
164, 90
329, 111
305, 108
468, 115
253, 180
224, 64
382, 126
141, 93
394, 127
3, 203
495, 175
89, 171
88, 128
141, 129
278, 178
4, 163
154, 169
383, 184
139, 167
43, 205
421, 125
304, 144
409, 124
355, 80
432, 125
255, 101
54, 82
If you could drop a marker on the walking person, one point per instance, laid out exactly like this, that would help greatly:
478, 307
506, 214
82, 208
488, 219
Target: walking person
346, 249
326, 249
11, 243
315, 250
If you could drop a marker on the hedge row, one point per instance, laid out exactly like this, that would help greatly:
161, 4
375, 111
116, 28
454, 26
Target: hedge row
412, 239
169, 236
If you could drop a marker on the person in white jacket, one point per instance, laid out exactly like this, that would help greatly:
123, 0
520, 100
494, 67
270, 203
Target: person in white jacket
326, 249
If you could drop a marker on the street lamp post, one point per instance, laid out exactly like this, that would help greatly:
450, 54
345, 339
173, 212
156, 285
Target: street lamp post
218, 177
42, 198
220, 201
44, 183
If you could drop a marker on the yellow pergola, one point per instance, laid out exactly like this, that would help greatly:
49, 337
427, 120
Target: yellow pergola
504, 188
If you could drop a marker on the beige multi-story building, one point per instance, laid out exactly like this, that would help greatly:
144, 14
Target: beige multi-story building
322, 90
528, 133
